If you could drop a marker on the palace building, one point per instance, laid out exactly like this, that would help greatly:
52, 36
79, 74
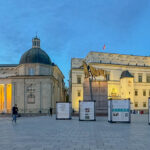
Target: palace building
127, 76
35, 84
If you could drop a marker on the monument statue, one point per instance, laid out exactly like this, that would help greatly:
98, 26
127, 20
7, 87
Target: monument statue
95, 89
89, 70
91, 73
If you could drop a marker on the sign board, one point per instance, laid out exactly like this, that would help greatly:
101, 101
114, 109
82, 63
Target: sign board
87, 111
149, 110
63, 110
119, 111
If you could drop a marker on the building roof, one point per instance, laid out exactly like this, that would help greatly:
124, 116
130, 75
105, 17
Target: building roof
8, 65
35, 54
126, 73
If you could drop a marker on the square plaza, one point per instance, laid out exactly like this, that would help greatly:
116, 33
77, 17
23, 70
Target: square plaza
46, 133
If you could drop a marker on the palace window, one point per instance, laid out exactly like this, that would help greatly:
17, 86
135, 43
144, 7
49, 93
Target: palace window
144, 104
136, 92
148, 78
144, 92
79, 93
78, 79
136, 104
140, 78
149, 92
108, 77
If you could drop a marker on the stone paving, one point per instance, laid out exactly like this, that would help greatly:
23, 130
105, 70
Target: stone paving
46, 133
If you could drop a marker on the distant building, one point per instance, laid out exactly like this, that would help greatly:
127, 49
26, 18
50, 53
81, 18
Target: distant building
35, 84
127, 76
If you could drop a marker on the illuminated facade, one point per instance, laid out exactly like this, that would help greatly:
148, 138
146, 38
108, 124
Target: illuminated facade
35, 84
127, 76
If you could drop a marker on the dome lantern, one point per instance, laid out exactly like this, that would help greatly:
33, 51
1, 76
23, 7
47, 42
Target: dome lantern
36, 42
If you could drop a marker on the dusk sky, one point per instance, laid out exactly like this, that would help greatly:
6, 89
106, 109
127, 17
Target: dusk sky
72, 28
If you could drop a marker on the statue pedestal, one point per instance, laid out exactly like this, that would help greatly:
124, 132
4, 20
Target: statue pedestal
100, 95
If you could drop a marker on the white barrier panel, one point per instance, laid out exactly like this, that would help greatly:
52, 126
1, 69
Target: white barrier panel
149, 110
119, 111
87, 111
63, 110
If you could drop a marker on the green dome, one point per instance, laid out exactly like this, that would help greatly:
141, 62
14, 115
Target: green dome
35, 54
125, 74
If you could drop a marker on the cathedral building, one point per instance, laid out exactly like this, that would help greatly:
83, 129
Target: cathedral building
35, 84
127, 76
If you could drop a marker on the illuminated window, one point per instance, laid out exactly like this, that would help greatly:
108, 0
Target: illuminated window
148, 78
140, 78
144, 92
31, 71
78, 79
79, 93
144, 104
136, 92
136, 104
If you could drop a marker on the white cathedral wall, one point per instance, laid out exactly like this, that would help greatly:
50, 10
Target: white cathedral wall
46, 95
42, 92
19, 94
47, 90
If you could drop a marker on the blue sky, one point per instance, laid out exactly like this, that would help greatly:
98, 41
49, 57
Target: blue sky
72, 28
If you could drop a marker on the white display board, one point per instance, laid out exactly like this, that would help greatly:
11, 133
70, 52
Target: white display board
119, 110
87, 111
63, 110
149, 110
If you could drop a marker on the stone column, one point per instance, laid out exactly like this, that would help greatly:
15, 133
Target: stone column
51, 94
5, 98
13, 95
40, 97
24, 96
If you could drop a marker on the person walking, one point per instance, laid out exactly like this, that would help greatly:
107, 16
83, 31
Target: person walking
14, 112
51, 111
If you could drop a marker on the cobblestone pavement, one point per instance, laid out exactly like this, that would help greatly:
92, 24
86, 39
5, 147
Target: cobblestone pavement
46, 133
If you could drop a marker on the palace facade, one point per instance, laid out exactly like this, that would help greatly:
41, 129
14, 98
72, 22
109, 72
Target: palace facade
127, 76
35, 84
